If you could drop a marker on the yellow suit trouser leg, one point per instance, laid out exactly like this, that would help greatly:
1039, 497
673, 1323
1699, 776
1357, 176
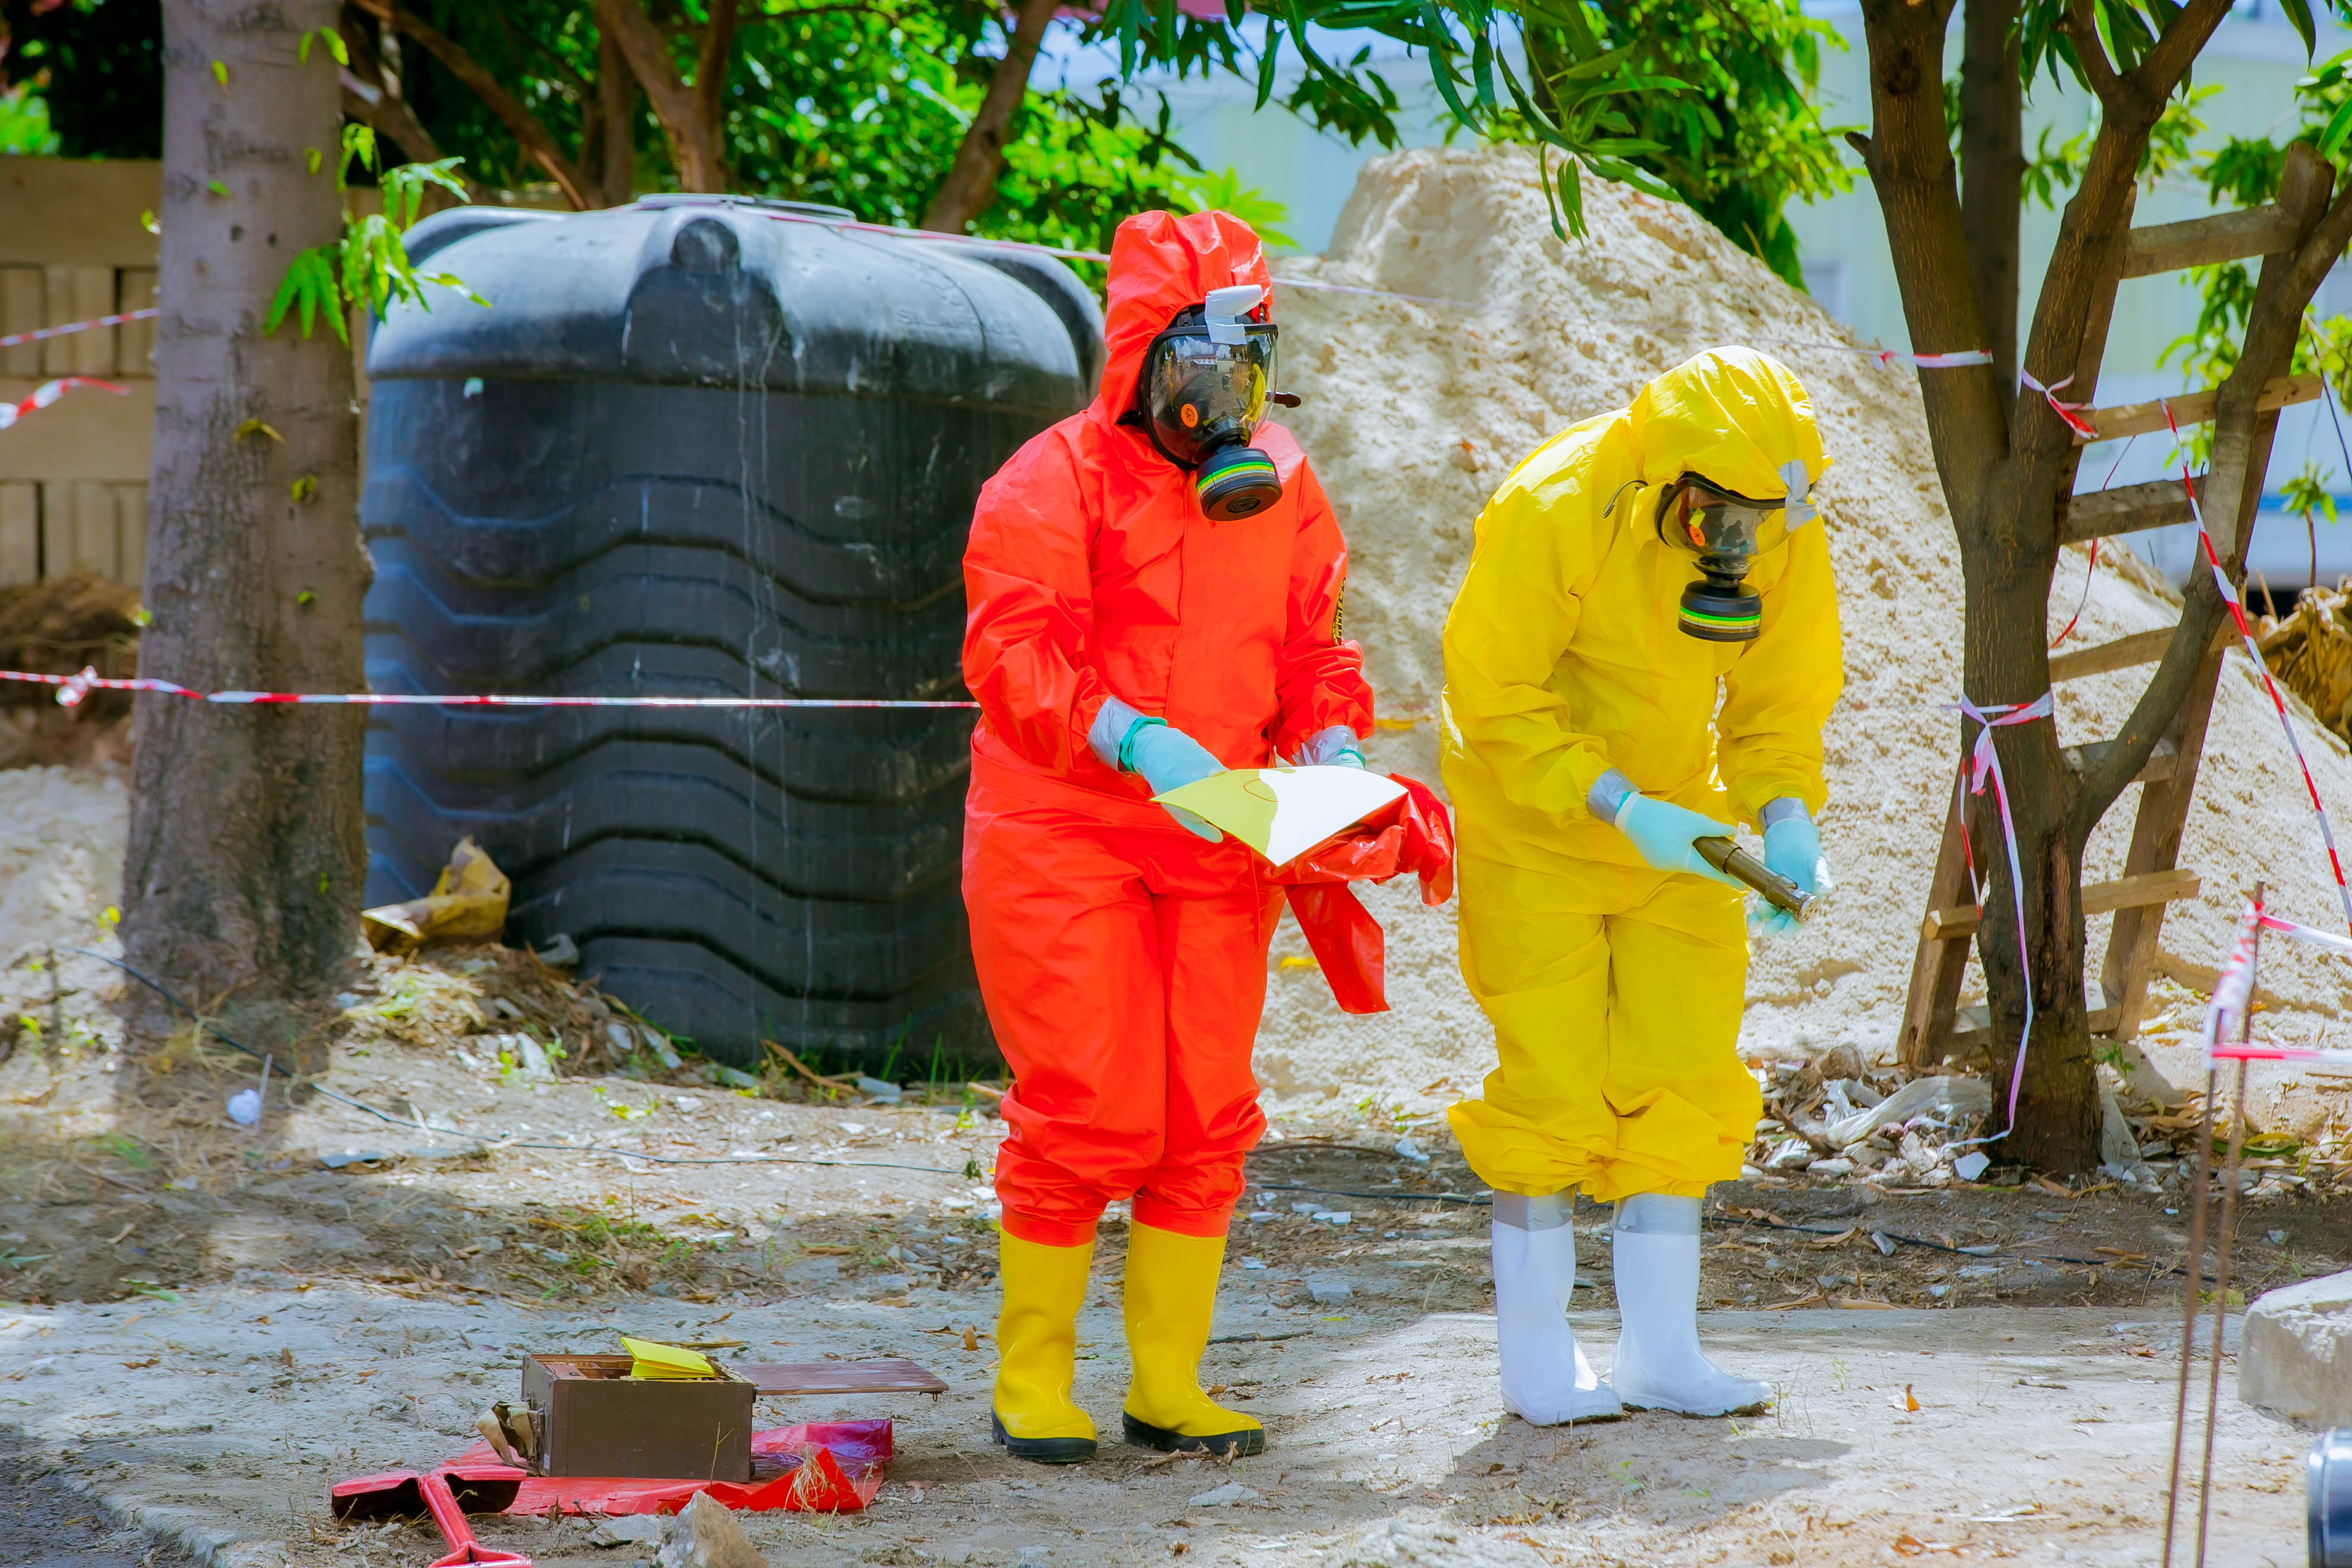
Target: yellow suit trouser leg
1615, 996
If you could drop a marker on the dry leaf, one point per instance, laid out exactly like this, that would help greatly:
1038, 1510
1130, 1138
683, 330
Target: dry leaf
972, 1338
1839, 1240
141, 1365
1909, 1544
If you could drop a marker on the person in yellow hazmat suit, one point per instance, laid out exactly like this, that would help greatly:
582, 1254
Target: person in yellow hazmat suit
1644, 649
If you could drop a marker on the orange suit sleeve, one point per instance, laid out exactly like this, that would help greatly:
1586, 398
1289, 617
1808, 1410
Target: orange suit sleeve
1029, 596
1320, 679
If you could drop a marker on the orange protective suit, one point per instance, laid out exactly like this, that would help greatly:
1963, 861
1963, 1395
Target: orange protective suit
1122, 959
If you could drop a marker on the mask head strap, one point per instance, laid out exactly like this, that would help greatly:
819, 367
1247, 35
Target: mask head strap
1799, 484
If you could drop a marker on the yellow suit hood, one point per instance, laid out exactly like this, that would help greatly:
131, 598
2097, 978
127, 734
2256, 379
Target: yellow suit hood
1562, 654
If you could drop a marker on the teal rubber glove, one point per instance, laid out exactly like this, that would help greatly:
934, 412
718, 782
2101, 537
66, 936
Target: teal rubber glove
1662, 833
1792, 848
1336, 747
1162, 755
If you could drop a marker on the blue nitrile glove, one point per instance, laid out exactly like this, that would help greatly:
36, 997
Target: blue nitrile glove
1662, 833
1792, 848
1336, 747
1163, 756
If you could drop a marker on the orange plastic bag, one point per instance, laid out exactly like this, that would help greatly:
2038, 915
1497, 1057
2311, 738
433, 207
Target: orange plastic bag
1413, 834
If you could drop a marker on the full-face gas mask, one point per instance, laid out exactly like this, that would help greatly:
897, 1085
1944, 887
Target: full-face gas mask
1205, 385
1728, 533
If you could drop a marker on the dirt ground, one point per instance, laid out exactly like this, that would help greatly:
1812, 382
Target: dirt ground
212, 1323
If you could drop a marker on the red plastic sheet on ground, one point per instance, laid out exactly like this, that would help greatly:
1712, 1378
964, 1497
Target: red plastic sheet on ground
829, 1467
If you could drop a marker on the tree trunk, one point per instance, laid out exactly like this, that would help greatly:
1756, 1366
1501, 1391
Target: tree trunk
970, 188
248, 853
693, 117
2006, 459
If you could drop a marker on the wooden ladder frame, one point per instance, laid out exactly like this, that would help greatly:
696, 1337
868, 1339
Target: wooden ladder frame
1934, 1028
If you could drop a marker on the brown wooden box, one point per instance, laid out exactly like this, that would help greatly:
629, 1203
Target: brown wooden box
590, 1417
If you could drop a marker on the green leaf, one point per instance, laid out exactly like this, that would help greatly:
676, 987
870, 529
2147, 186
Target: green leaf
2339, 124
216, 187
2298, 15
220, 73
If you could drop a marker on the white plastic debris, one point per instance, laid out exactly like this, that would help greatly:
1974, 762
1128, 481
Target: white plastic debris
880, 1088
1945, 1098
1971, 1165
1225, 1496
1407, 1149
245, 1108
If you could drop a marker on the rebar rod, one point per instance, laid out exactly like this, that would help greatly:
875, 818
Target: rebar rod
2221, 1287
2189, 1311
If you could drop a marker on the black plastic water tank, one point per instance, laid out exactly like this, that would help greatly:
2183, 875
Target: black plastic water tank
694, 448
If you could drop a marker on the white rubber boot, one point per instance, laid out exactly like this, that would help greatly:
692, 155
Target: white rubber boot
1659, 1364
1546, 1379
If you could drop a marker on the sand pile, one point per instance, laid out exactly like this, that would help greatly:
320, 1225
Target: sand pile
1414, 413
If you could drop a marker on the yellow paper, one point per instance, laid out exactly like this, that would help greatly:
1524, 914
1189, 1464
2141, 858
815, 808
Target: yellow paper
1282, 813
650, 1359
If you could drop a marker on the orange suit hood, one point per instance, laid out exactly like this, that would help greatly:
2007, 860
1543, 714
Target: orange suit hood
1161, 263
1092, 573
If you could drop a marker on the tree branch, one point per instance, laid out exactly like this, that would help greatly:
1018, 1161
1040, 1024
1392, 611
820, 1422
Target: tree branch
2178, 45
2082, 27
971, 185
616, 117
1909, 157
2272, 326
537, 143
1992, 171
369, 96
693, 146
710, 67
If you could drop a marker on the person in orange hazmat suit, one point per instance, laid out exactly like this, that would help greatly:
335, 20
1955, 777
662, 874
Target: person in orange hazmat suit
1644, 648
1154, 592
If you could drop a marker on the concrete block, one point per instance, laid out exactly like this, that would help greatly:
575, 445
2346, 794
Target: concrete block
2295, 1359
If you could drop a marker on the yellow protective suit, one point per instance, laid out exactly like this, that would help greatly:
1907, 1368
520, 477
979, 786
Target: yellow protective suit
1615, 990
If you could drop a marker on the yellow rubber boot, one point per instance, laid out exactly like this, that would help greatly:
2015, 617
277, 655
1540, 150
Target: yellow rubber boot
1171, 1288
1037, 1350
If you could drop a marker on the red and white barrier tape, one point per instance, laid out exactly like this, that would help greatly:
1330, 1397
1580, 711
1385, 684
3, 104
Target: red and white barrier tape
2233, 993
2070, 412
2278, 703
1985, 760
48, 391
13, 339
1890, 358
73, 688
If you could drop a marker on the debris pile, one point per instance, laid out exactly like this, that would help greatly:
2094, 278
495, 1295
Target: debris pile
1837, 1117
509, 1008
2310, 651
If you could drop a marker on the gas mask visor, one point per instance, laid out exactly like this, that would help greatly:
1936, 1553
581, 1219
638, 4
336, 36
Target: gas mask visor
1205, 383
1727, 532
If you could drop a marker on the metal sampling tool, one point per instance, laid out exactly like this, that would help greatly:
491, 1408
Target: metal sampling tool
1726, 857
